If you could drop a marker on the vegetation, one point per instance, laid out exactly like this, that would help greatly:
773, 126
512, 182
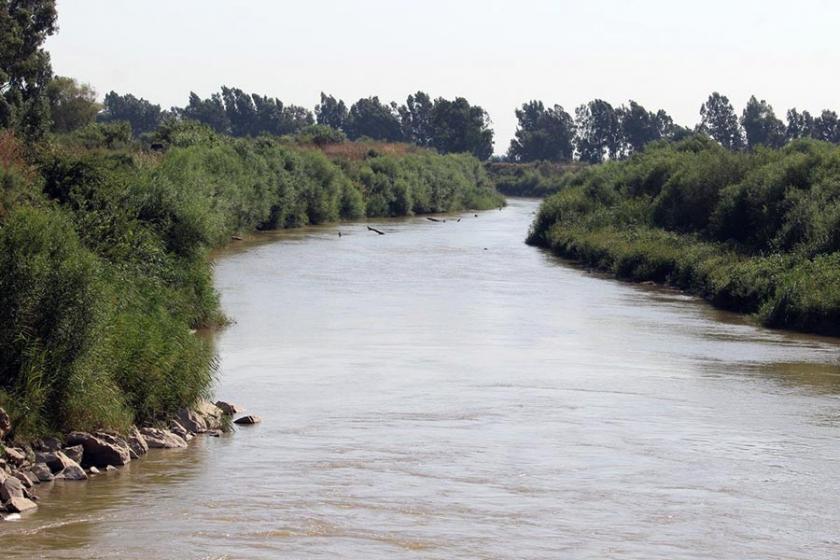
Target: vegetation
106, 227
756, 232
537, 179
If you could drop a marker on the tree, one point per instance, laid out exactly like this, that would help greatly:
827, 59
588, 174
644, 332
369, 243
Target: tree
142, 115
370, 117
543, 134
72, 105
799, 125
331, 112
210, 111
827, 127
416, 119
640, 126
599, 131
761, 125
718, 120
25, 67
458, 127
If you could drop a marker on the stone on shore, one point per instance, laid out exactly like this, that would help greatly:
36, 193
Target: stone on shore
57, 461
26, 479
5, 424
180, 431
74, 453
48, 444
93, 470
212, 414
11, 488
20, 505
162, 439
102, 449
191, 420
42, 471
228, 408
248, 420
137, 445
15, 456
72, 472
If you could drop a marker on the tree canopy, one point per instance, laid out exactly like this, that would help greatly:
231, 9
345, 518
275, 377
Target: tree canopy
543, 134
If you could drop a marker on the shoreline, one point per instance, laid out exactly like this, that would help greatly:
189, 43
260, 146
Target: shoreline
81, 456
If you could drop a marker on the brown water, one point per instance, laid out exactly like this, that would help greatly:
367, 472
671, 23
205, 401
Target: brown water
424, 397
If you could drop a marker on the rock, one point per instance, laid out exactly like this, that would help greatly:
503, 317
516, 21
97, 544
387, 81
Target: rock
110, 468
215, 433
48, 444
55, 460
15, 456
26, 479
74, 452
93, 470
5, 424
42, 471
180, 431
11, 488
20, 505
137, 446
162, 439
192, 421
212, 414
72, 472
248, 420
102, 449
10, 517
227, 408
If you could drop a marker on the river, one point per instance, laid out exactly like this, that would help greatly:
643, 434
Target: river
445, 391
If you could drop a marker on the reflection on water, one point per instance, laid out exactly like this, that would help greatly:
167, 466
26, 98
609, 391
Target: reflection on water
444, 391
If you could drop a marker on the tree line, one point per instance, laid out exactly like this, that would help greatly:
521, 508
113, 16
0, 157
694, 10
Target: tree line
598, 131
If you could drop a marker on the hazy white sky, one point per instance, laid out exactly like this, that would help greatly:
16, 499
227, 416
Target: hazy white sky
666, 54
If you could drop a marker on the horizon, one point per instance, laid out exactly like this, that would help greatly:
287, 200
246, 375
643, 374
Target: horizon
671, 58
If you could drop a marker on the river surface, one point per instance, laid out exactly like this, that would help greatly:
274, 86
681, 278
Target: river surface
445, 391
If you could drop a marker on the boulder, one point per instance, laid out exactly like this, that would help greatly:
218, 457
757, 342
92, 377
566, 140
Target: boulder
192, 421
20, 505
248, 420
11, 488
93, 470
55, 460
137, 446
162, 439
180, 431
228, 408
15, 456
72, 472
101, 449
110, 468
5, 424
26, 479
74, 452
42, 471
212, 414
48, 444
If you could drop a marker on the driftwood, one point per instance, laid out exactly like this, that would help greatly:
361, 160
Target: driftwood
434, 219
376, 230
236, 237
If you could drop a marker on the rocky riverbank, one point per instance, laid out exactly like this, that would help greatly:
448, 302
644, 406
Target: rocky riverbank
78, 455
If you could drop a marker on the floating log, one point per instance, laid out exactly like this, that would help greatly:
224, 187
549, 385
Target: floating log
434, 220
376, 230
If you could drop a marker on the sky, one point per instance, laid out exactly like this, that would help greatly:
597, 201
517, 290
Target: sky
498, 54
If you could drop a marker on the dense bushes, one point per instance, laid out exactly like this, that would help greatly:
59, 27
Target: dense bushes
104, 268
753, 232
537, 179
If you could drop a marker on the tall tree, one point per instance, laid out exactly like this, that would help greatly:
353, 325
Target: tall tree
761, 126
331, 112
370, 117
25, 69
458, 127
827, 127
543, 134
142, 115
599, 131
640, 126
799, 125
718, 120
210, 111
72, 105
416, 118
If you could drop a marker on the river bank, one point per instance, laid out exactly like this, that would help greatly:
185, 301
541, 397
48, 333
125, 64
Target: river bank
80, 456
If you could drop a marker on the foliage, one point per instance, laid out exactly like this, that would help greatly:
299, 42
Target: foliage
140, 114
25, 69
72, 105
543, 134
757, 232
